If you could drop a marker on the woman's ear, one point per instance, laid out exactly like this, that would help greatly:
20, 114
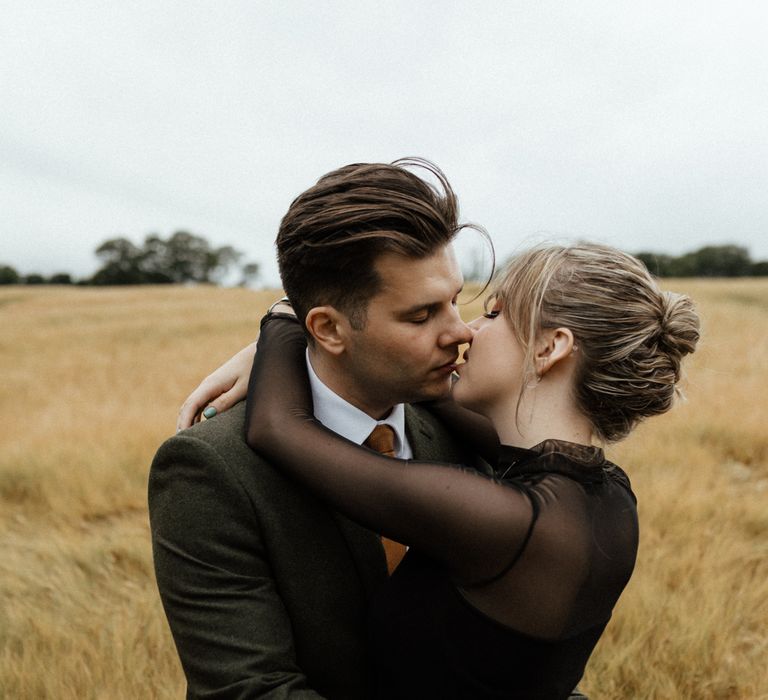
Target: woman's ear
552, 346
328, 327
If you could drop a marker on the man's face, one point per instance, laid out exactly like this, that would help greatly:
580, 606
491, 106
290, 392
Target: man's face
410, 343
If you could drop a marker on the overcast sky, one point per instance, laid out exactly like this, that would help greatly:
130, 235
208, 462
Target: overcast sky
640, 124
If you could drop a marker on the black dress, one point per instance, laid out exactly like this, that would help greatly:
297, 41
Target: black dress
509, 581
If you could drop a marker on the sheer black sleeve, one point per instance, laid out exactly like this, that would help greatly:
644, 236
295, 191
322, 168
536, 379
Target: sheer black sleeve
470, 523
546, 551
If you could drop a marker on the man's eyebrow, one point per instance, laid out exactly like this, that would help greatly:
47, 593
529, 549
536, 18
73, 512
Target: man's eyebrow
412, 310
429, 306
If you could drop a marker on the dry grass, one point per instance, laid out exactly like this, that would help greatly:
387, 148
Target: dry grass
92, 380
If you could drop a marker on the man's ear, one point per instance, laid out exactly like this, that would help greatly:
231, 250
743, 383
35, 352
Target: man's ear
329, 327
552, 346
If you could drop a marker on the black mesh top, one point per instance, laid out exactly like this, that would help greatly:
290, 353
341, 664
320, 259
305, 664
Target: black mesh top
509, 581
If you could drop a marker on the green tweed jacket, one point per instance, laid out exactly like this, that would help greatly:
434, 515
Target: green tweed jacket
265, 588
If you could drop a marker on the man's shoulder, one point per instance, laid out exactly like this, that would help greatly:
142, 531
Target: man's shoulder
218, 441
227, 430
224, 432
223, 439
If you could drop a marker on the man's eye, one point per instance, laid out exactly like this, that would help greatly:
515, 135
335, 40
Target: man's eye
420, 319
492, 314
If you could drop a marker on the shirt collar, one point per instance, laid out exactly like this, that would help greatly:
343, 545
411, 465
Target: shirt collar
350, 422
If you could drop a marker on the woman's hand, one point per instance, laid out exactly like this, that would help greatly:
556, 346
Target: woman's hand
220, 390
227, 385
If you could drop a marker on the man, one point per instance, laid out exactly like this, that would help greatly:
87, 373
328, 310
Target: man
264, 587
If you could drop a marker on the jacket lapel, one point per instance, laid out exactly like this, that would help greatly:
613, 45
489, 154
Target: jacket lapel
365, 546
421, 436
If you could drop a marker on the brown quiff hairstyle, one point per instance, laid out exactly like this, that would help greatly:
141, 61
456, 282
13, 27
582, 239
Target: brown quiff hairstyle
332, 234
630, 335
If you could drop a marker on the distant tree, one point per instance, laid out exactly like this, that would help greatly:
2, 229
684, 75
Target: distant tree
60, 278
8, 275
682, 266
760, 269
121, 263
709, 261
658, 264
250, 273
34, 278
721, 261
183, 257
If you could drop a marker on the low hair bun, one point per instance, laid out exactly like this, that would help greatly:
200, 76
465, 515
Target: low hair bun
632, 336
679, 325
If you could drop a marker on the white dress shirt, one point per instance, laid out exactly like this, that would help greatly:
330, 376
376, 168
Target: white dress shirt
350, 422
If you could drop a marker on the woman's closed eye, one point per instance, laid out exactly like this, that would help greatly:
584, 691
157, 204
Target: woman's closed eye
492, 314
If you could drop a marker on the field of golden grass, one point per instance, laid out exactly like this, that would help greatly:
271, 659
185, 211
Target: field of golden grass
91, 383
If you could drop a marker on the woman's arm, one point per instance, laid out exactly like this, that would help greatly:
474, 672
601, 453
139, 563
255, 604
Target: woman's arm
225, 386
220, 390
472, 524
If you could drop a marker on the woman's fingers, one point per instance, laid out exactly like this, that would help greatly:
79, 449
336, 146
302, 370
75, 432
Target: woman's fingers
208, 391
226, 400
219, 391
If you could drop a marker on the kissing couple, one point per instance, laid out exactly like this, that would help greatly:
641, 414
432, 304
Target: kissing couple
378, 520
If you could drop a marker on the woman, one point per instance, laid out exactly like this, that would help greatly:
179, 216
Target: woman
509, 581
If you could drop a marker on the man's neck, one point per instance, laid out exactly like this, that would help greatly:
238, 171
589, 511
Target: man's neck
341, 385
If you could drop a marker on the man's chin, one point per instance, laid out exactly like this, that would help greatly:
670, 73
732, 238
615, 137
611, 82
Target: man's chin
432, 392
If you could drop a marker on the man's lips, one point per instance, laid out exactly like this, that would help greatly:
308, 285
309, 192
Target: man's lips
448, 366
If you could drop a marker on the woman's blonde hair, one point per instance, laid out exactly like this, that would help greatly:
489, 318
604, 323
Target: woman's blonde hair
631, 336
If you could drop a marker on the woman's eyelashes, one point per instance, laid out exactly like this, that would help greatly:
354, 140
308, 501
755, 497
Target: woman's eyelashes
492, 314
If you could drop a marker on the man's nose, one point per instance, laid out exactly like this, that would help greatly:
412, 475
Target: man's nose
476, 323
458, 332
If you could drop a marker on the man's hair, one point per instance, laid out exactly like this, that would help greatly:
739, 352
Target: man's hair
333, 233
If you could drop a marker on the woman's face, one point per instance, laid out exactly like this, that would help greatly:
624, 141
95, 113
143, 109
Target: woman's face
492, 373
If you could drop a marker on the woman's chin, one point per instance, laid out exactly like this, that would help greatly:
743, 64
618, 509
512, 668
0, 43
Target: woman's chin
462, 397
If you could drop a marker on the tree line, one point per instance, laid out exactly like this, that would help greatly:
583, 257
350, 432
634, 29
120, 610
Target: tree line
182, 257
709, 261
185, 257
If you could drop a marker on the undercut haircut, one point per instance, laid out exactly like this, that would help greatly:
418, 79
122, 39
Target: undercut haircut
332, 234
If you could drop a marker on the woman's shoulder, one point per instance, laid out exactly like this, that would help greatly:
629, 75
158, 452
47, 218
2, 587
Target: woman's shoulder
583, 463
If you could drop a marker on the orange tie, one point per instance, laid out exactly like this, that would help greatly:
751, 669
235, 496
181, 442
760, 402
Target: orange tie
382, 439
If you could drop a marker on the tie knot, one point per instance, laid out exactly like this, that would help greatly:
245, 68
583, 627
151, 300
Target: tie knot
382, 439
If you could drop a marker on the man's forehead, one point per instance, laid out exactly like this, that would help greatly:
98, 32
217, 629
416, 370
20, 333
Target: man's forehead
418, 279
